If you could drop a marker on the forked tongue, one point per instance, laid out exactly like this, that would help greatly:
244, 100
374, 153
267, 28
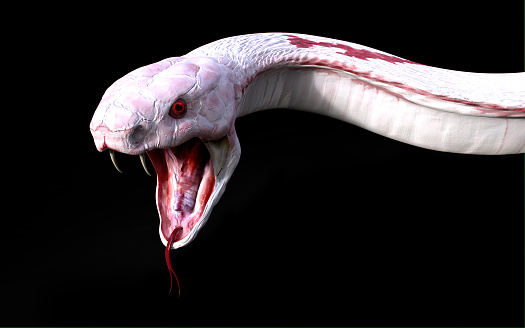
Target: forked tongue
174, 237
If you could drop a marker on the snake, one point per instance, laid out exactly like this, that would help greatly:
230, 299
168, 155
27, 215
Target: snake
181, 111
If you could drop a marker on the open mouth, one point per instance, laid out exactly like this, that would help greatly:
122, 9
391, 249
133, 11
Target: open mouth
185, 182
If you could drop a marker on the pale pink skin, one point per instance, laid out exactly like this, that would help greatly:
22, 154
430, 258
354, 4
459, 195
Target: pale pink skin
132, 115
133, 118
429, 107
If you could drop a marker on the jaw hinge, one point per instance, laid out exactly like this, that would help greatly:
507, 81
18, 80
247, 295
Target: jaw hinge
219, 152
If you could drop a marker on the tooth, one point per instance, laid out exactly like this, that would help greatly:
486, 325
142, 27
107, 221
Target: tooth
218, 151
143, 161
112, 156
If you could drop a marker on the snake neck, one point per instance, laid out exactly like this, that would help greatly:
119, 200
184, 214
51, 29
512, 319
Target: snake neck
429, 107
249, 56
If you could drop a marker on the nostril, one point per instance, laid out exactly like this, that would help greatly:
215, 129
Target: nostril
103, 146
99, 137
138, 134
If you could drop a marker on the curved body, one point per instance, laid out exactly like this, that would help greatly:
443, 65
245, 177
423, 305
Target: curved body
421, 105
429, 107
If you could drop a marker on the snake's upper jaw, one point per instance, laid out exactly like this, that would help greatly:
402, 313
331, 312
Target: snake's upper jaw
191, 178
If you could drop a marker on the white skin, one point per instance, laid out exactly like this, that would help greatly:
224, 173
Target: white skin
133, 118
424, 106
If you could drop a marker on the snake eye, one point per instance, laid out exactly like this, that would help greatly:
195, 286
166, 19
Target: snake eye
178, 108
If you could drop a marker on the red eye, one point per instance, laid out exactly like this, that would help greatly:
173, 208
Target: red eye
178, 108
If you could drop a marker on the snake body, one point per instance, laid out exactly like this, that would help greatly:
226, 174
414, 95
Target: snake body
145, 111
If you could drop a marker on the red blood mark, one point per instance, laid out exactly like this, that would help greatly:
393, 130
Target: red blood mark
349, 51
363, 54
175, 236
503, 140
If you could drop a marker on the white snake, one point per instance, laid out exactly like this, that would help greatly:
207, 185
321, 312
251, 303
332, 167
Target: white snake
167, 108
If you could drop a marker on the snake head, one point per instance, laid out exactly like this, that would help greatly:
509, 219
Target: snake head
181, 113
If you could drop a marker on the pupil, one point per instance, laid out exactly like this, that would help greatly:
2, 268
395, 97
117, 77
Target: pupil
178, 107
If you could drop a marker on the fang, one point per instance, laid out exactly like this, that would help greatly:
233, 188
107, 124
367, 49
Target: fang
143, 161
113, 160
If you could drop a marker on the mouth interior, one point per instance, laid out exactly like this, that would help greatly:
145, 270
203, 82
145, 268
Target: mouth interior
185, 181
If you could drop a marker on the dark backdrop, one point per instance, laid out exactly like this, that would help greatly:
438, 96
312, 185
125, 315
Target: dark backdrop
323, 223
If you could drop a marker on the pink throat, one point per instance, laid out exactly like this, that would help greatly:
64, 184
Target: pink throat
185, 181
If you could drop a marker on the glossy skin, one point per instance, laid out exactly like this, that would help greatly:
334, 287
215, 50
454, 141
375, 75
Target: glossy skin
133, 118
417, 104
133, 114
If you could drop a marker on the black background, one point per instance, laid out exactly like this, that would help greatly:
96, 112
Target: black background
323, 223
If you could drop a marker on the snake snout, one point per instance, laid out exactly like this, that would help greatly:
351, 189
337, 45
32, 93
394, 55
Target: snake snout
129, 141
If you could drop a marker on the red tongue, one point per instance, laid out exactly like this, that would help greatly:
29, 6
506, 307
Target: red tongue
174, 237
